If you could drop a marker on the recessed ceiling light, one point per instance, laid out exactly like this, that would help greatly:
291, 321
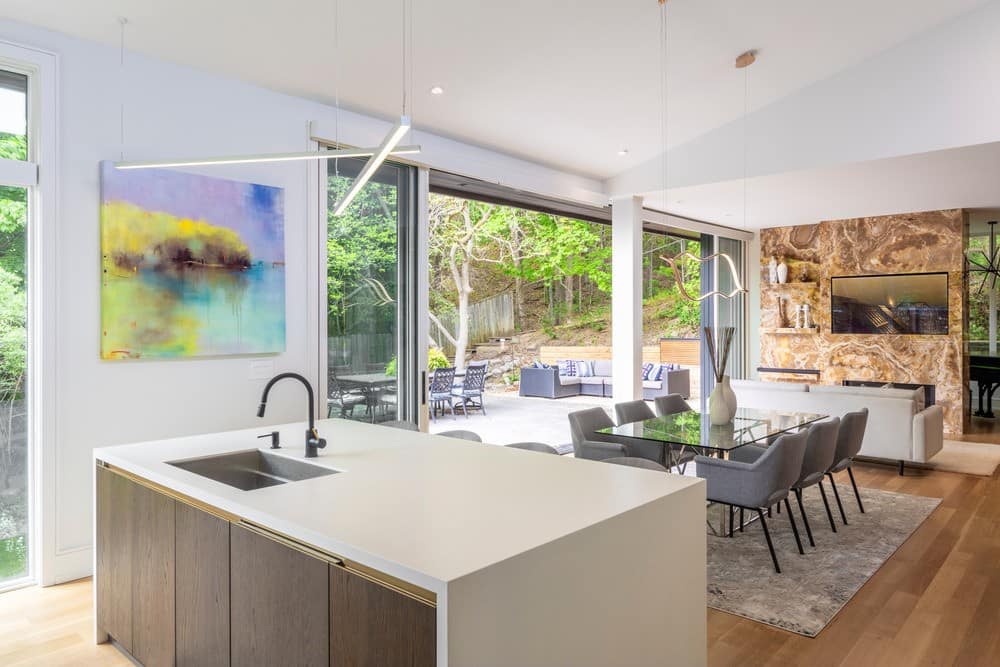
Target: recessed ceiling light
437, 90
623, 152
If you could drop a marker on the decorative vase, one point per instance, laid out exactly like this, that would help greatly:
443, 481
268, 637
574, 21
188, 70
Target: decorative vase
722, 403
718, 409
730, 395
772, 270
782, 271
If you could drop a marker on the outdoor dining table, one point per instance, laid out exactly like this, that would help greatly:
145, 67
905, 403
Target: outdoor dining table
693, 431
369, 384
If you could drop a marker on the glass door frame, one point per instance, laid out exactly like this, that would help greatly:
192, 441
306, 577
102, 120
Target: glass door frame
711, 311
411, 296
44, 549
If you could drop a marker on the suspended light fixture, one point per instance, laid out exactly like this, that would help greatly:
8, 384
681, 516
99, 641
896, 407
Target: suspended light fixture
678, 270
377, 155
986, 265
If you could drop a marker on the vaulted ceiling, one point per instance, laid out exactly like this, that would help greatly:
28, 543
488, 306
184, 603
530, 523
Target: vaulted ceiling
567, 83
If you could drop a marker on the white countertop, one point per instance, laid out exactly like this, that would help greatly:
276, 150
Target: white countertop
426, 509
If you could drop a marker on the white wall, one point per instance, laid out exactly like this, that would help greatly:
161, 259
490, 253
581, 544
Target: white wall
176, 111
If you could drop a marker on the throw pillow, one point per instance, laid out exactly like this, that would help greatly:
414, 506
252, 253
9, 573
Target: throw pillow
567, 367
646, 370
539, 364
584, 369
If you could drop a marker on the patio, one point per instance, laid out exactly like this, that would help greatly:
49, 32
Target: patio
512, 418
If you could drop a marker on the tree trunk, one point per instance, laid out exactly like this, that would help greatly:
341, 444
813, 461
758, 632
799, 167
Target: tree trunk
568, 295
518, 297
462, 339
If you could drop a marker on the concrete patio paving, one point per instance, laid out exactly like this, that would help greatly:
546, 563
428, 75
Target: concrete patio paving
512, 418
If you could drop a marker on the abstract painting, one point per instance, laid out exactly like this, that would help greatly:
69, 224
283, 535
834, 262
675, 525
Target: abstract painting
190, 265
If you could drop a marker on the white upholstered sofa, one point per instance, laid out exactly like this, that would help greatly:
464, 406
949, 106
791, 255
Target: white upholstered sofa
899, 428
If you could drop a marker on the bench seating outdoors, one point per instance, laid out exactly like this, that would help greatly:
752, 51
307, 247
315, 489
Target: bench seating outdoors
548, 383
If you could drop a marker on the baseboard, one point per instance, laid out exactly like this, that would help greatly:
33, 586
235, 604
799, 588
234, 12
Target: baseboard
69, 566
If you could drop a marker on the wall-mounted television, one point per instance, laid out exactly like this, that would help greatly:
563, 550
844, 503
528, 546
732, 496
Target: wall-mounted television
912, 303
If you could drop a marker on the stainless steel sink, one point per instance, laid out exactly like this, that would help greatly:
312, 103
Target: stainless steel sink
252, 469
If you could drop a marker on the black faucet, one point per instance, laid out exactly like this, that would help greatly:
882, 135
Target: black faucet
313, 441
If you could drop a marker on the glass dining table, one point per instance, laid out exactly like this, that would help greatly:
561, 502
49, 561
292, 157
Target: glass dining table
692, 432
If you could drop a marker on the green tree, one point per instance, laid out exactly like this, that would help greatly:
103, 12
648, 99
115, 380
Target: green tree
13, 299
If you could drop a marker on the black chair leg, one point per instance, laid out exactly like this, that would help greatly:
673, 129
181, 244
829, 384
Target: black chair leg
857, 495
741, 519
731, 521
770, 545
805, 519
795, 529
836, 495
826, 504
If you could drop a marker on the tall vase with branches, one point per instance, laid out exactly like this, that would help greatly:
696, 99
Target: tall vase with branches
722, 400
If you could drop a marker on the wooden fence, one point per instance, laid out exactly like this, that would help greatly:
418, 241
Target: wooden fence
683, 351
549, 354
489, 318
360, 353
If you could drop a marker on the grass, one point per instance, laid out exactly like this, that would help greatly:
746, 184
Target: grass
13, 557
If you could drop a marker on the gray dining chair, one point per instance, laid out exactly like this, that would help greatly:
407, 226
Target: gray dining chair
852, 433
582, 427
633, 411
637, 411
636, 462
758, 485
534, 447
670, 404
405, 426
461, 435
821, 444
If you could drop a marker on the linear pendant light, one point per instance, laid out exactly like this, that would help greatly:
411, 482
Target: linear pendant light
388, 144
264, 157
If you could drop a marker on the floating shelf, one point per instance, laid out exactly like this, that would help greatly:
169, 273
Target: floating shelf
810, 284
806, 331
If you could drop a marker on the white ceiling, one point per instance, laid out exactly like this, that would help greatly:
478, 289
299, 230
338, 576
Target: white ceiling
565, 82
923, 182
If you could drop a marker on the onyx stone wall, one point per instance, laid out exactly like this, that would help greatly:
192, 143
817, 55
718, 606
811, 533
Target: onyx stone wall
931, 241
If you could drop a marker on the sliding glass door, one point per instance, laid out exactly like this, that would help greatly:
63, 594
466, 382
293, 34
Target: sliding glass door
15, 459
371, 368
718, 312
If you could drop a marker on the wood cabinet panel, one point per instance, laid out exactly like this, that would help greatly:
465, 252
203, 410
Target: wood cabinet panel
153, 578
374, 626
202, 588
279, 603
115, 533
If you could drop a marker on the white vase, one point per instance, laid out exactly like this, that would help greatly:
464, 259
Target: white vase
782, 272
722, 403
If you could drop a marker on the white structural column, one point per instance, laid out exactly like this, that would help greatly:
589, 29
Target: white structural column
626, 297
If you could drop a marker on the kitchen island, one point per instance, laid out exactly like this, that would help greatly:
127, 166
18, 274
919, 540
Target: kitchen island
417, 550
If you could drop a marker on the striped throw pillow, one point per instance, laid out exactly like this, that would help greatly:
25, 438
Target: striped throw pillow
646, 370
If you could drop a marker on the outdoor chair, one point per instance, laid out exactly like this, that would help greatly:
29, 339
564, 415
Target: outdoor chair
758, 485
461, 435
534, 447
470, 392
582, 426
440, 391
346, 401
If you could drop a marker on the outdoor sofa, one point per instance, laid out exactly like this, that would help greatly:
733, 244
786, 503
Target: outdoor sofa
549, 383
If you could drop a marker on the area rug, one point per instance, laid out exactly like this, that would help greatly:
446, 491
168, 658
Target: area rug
970, 458
811, 589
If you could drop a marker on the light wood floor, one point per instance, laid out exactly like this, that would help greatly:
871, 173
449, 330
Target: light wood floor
935, 602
